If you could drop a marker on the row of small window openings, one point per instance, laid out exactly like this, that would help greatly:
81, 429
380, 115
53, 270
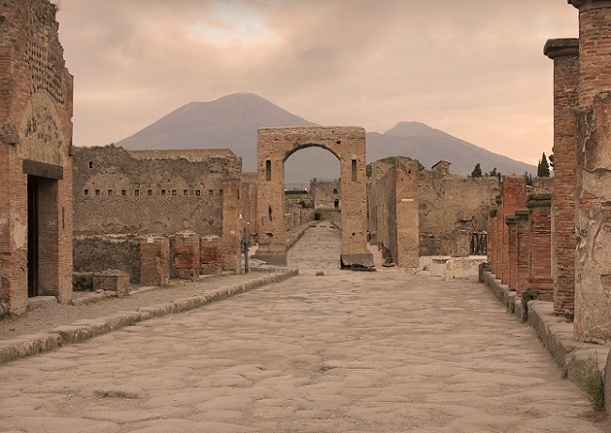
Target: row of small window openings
150, 192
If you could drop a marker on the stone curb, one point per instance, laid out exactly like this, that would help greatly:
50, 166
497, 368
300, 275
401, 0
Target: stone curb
81, 330
578, 359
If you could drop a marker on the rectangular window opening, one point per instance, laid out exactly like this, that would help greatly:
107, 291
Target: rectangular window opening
354, 170
268, 170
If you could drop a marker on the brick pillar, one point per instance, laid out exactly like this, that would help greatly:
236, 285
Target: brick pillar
512, 228
155, 261
514, 198
540, 276
187, 255
523, 227
232, 226
491, 239
593, 194
565, 53
498, 254
212, 255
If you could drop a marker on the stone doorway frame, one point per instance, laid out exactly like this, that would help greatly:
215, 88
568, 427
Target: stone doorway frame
347, 143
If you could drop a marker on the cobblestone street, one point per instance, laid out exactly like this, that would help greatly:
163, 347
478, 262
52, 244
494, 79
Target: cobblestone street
383, 351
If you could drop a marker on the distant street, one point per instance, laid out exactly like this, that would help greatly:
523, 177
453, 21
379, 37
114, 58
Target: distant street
345, 352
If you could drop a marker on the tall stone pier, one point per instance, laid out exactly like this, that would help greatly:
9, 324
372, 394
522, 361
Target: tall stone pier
593, 194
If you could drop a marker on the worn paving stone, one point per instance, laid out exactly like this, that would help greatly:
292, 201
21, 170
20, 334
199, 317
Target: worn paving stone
351, 352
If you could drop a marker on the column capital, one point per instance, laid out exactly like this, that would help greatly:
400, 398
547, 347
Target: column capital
561, 47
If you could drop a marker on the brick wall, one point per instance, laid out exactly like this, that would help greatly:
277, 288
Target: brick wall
36, 114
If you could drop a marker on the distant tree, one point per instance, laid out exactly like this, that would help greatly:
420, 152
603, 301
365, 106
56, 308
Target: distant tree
477, 171
543, 167
529, 178
494, 172
551, 161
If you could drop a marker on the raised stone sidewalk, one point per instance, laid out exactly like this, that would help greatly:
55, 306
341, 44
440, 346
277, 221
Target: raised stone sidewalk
578, 360
29, 344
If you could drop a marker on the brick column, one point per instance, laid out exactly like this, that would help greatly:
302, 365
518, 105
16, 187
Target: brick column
512, 227
187, 255
540, 279
514, 198
498, 254
565, 53
492, 222
212, 255
523, 223
593, 267
155, 261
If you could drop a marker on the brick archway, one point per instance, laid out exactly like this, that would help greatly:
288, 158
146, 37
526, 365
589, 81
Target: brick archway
274, 146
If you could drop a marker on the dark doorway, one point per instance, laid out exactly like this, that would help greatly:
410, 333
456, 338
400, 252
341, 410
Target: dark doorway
33, 236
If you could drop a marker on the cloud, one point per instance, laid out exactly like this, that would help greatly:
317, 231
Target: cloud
474, 69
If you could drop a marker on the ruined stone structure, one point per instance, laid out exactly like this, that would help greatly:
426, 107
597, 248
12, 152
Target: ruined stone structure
393, 211
326, 194
120, 196
275, 145
36, 165
450, 210
150, 192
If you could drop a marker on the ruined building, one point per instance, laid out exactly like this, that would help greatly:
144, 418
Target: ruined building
125, 201
414, 213
35, 157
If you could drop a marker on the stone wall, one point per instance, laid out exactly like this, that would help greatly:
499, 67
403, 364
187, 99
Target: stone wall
450, 209
326, 194
449, 203
150, 192
35, 161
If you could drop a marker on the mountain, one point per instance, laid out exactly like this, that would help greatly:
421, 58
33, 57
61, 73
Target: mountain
232, 122
428, 145
229, 122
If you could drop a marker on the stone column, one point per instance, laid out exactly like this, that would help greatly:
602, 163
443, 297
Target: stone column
565, 53
407, 216
540, 279
232, 226
593, 268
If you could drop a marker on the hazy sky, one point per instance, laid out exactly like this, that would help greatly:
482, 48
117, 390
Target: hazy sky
474, 69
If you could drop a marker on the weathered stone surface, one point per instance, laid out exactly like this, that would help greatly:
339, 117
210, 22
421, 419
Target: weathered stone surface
274, 145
